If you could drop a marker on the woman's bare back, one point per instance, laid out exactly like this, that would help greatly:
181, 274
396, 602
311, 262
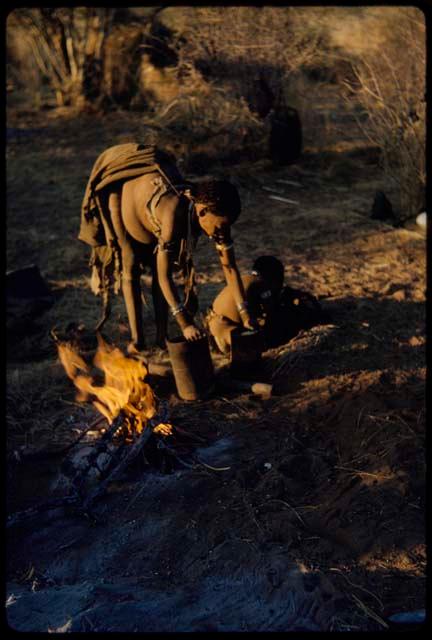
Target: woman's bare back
136, 193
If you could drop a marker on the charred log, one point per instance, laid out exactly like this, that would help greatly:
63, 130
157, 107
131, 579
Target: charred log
83, 488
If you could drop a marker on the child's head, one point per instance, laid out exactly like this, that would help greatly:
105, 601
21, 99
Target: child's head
271, 270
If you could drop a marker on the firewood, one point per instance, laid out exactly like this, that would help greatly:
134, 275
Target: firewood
79, 476
120, 459
133, 451
156, 369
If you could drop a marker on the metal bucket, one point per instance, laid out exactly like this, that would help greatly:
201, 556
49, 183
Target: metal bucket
192, 367
246, 350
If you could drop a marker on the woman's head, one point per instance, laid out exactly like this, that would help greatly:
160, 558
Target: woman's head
217, 204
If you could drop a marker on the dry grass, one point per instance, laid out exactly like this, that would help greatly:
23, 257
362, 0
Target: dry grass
391, 89
37, 397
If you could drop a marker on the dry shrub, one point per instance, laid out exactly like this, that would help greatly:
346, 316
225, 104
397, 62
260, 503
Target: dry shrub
390, 86
205, 119
225, 56
232, 39
121, 63
158, 86
253, 52
24, 81
83, 56
66, 45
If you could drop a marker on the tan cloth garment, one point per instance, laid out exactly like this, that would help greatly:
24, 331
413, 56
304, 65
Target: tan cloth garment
115, 164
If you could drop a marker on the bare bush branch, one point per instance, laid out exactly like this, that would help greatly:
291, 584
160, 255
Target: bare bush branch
61, 41
391, 88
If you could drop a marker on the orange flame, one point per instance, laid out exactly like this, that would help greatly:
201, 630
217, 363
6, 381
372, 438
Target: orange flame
124, 388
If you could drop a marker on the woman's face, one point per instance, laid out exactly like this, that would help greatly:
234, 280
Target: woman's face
211, 224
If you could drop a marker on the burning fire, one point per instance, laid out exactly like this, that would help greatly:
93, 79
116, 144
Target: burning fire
124, 389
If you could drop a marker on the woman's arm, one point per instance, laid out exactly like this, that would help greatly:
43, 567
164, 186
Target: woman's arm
234, 282
171, 231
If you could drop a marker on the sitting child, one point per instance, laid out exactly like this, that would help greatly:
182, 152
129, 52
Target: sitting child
281, 312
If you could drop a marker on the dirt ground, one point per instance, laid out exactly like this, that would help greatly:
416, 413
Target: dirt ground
312, 517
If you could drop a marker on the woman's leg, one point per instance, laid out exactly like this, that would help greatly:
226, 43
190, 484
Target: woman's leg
131, 286
160, 308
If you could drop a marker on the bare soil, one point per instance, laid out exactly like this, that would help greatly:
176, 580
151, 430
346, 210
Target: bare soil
313, 516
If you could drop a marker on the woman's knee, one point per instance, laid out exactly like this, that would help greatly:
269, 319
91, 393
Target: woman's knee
130, 264
221, 332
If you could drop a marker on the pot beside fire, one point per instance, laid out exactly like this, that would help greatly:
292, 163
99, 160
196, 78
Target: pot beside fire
246, 351
192, 367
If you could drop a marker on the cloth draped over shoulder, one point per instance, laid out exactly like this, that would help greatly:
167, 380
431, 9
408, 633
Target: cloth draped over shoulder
118, 164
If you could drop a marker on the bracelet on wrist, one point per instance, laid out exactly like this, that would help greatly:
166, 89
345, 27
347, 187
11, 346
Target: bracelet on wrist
242, 306
183, 320
226, 247
176, 310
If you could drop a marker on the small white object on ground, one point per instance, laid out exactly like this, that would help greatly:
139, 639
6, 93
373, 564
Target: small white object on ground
11, 599
274, 189
421, 219
284, 199
292, 183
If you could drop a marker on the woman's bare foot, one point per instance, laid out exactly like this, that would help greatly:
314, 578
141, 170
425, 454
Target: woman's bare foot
136, 349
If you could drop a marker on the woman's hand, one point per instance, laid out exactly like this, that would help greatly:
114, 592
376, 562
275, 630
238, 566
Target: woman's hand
137, 351
192, 333
249, 322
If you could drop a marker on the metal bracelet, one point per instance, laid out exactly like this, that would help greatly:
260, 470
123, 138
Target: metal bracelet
242, 306
176, 310
167, 247
226, 247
